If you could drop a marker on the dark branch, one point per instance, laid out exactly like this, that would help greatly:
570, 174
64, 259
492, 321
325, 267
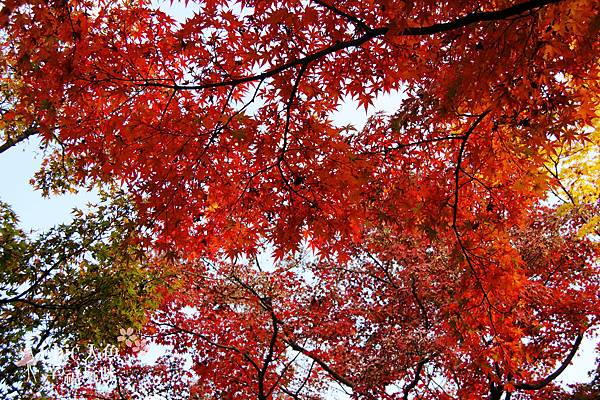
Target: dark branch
477, 17
458, 169
415, 380
211, 342
13, 141
268, 358
359, 23
321, 363
288, 112
469, 19
544, 382
459, 240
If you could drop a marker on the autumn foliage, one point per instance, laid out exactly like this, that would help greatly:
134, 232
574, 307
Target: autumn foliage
420, 256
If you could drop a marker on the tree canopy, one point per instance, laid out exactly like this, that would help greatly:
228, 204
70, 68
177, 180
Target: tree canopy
448, 250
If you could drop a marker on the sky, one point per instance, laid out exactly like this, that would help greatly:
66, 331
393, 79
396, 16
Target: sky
18, 165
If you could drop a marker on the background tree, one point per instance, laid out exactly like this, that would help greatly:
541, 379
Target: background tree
72, 286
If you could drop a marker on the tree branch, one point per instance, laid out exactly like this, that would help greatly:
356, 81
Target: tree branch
415, 380
321, 363
469, 19
359, 23
18, 139
544, 382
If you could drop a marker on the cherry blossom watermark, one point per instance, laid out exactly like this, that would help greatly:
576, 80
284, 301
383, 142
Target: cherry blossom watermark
28, 360
138, 345
102, 358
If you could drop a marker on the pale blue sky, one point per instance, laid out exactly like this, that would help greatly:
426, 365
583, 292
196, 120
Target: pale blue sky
17, 167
